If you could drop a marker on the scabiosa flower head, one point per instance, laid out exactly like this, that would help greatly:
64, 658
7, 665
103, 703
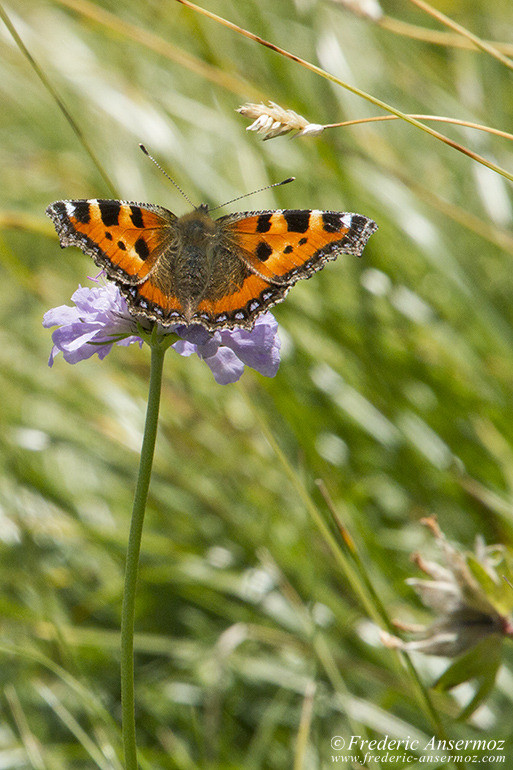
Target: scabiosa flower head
101, 319
470, 595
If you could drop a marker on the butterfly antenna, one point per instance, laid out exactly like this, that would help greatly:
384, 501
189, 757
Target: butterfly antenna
261, 189
143, 148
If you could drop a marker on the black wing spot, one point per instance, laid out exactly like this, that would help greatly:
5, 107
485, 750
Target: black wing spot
57, 208
358, 222
288, 249
263, 251
81, 212
302, 241
121, 246
332, 222
297, 220
142, 249
109, 212
108, 235
264, 223
136, 216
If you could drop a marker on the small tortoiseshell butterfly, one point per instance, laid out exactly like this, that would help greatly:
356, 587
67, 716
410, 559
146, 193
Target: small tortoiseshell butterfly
219, 273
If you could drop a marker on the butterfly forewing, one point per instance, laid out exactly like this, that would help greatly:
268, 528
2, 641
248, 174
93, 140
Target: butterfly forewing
123, 237
292, 244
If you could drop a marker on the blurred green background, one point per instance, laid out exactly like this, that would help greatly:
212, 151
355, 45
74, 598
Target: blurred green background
395, 387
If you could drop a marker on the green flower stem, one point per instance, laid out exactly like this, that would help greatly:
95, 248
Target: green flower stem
132, 557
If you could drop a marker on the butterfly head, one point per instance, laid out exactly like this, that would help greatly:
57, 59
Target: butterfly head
196, 227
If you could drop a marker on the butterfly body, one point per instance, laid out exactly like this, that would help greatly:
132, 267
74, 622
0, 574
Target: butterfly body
219, 273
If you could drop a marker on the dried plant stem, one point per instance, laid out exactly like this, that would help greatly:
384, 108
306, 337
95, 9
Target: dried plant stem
435, 36
477, 41
305, 724
353, 89
57, 99
155, 43
439, 118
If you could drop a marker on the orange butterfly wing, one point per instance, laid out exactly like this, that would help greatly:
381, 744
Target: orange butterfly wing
279, 248
124, 238
220, 274
294, 243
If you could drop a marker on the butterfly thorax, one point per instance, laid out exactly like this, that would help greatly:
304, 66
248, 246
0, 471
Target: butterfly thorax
187, 263
193, 253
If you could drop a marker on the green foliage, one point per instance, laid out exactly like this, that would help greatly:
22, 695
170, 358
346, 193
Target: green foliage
395, 388
481, 663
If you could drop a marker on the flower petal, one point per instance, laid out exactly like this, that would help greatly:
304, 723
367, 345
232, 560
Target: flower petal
100, 318
225, 366
258, 348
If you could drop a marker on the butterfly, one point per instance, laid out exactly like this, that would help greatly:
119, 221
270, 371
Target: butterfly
193, 269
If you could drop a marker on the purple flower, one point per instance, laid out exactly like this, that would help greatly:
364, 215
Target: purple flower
100, 319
